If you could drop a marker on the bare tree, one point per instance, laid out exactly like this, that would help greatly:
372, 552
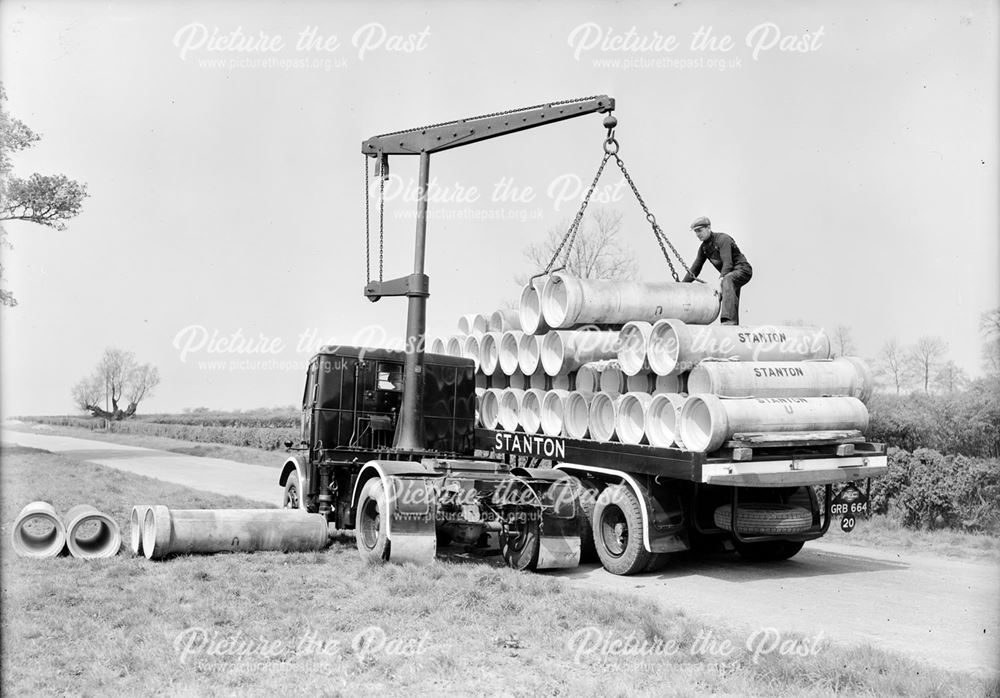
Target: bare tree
117, 376
843, 341
925, 357
950, 378
989, 325
597, 252
892, 363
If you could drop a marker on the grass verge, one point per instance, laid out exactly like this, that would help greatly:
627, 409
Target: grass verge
328, 624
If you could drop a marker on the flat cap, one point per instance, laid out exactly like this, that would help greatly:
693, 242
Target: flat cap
700, 221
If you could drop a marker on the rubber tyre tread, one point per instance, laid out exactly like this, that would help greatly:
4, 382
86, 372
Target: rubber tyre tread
292, 482
374, 490
525, 559
765, 519
635, 558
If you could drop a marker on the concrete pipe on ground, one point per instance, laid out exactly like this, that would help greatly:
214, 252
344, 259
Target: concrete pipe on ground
190, 531
503, 321
847, 375
568, 301
632, 343
510, 408
707, 421
630, 419
662, 418
529, 413
675, 347
91, 533
454, 346
529, 353
508, 351
576, 414
489, 408
135, 520
529, 308
565, 350
470, 349
473, 324
553, 406
489, 352
603, 415
38, 532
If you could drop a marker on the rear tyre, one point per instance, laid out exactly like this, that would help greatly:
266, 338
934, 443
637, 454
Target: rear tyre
371, 531
617, 527
520, 538
768, 551
293, 492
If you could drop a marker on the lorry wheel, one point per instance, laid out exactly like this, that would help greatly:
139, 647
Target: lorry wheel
618, 531
520, 538
292, 490
588, 499
768, 551
373, 516
756, 518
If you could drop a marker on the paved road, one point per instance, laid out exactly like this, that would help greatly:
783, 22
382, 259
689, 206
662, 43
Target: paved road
943, 611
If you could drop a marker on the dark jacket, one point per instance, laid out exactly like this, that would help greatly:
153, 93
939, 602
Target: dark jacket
722, 251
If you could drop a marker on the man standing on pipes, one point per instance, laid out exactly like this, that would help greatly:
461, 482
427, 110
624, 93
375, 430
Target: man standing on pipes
721, 250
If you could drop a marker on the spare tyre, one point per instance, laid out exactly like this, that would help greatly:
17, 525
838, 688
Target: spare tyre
758, 518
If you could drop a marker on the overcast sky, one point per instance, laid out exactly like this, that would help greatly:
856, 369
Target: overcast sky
858, 172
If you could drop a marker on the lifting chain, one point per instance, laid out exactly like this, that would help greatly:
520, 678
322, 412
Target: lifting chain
570, 237
381, 224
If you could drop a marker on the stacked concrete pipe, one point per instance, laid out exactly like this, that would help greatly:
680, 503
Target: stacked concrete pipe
630, 417
568, 301
489, 352
489, 408
473, 324
603, 415
675, 347
470, 349
168, 532
454, 346
553, 406
38, 532
503, 321
662, 416
846, 375
529, 308
510, 408
707, 421
508, 351
576, 414
529, 353
633, 341
565, 350
529, 413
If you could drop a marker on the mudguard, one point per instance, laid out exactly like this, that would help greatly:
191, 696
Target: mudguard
298, 465
555, 496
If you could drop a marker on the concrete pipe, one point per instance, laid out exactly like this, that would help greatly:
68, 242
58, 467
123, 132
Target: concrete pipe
529, 353
508, 351
642, 382
38, 532
612, 379
707, 421
135, 520
436, 346
564, 381
470, 349
568, 301
553, 406
191, 531
630, 419
510, 408
499, 380
538, 380
564, 350
675, 347
662, 417
518, 381
482, 381
503, 321
847, 375
632, 343
489, 352
454, 346
472, 324
489, 408
666, 384
529, 413
603, 415
576, 414
91, 533
588, 376
529, 308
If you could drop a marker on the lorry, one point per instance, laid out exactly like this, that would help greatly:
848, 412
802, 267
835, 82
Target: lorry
390, 447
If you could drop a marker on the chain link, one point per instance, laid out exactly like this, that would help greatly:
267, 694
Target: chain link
368, 237
570, 237
381, 221
488, 116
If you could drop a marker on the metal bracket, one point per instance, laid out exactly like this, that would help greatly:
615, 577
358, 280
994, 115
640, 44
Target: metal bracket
412, 285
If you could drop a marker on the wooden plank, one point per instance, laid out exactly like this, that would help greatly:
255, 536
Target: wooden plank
793, 438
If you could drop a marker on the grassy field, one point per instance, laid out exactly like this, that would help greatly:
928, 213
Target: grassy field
327, 624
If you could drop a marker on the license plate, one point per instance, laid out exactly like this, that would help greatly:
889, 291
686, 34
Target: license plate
850, 501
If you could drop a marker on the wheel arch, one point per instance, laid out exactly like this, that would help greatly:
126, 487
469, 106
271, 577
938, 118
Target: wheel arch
616, 477
296, 464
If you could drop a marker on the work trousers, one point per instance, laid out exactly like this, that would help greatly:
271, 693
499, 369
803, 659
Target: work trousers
731, 285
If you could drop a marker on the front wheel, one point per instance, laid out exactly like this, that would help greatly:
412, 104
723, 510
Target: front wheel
371, 531
293, 492
617, 521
